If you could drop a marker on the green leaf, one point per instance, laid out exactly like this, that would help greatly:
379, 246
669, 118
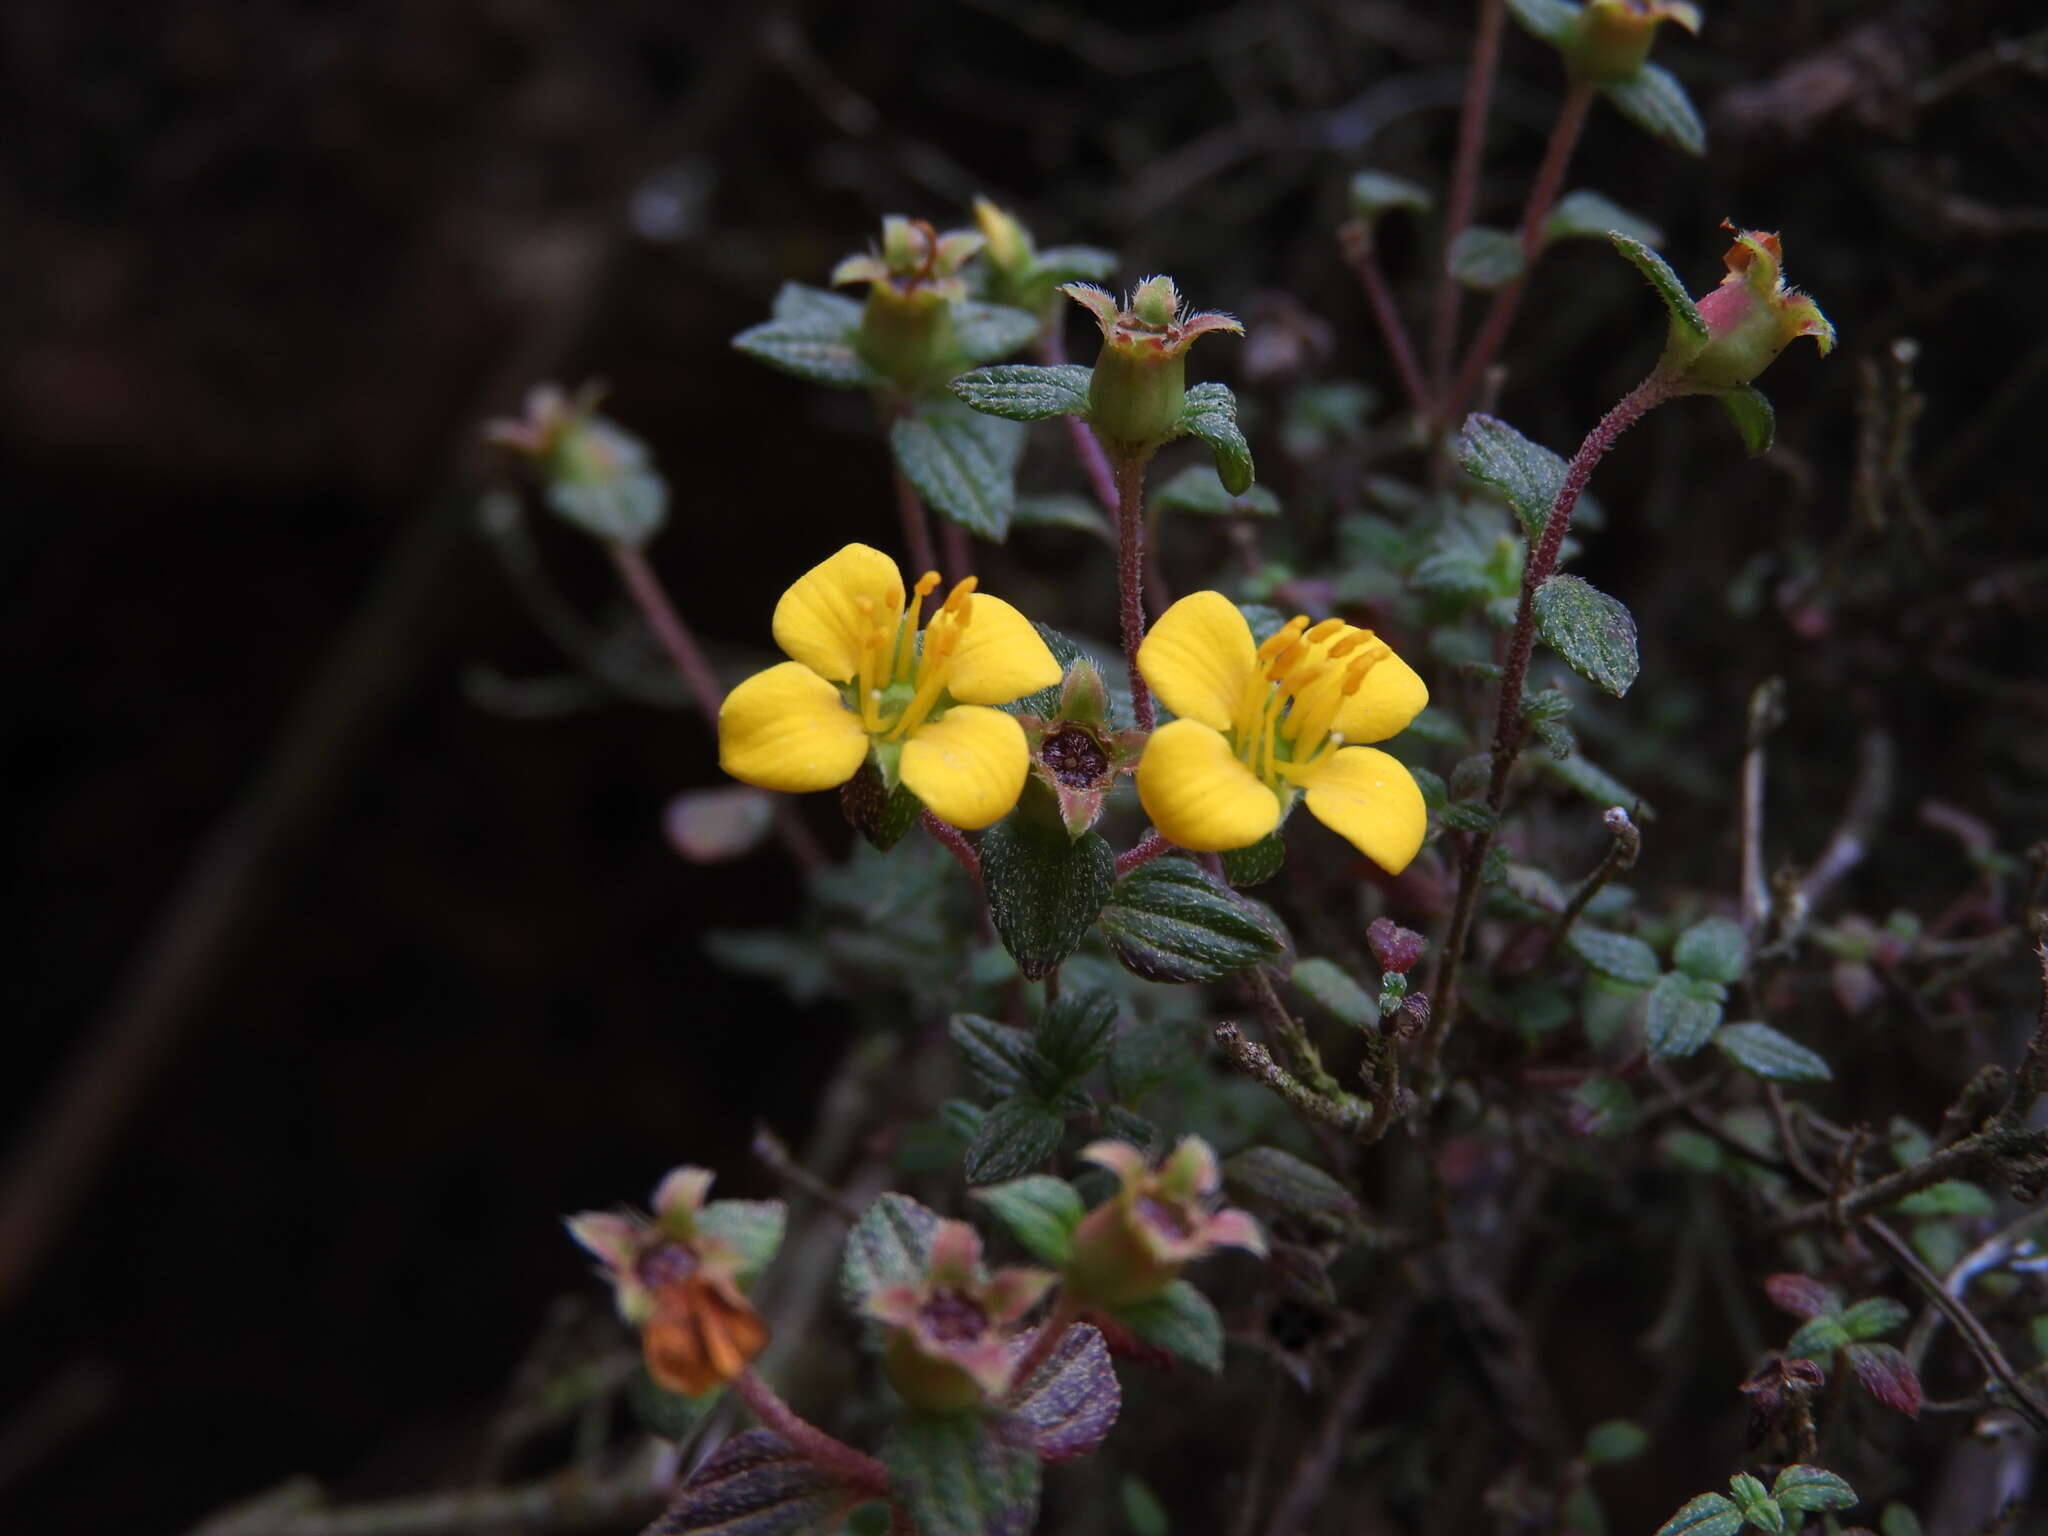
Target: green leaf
1614, 954
1021, 392
1004, 1061
1300, 1189
1332, 986
1076, 1031
1596, 784
1616, 1440
1375, 192
755, 1485
889, 1245
1065, 263
1211, 414
1044, 889
1806, 1488
1712, 949
1484, 258
1685, 316
1594, 633
984, 332
1526, 473
1059, 510
962, 463
751, 1228
812, 336
1040, 1211
1951, 1197
1015, 1137
1898, 1520
1255, 865
1757, 1507
1168, 921
964, 1474
1551, 20
1873, 1317
876, 812
1753, 417
627, 507
1681, 1015
1584, 215
1181, 1321
1143, 1512
1655, 102
1711, 1514
1470, 816
1763, 1050
1817, 1339
1197, 489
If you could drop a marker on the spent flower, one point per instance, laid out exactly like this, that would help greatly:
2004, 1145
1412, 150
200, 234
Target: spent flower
914, 286
949, 1343
1751, 317
1139, 385
865, 682
1135, 1244
1609, 40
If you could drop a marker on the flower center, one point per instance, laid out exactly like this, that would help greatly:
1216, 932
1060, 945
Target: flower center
1281, 727
1074, 757
953, 1318
666, 1265
900, 683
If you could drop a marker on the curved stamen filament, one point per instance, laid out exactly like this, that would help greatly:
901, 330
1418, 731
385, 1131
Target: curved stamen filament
1297, 688
906, 632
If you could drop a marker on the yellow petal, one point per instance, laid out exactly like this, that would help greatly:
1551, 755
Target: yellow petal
968, 766
1199, 795
1370, 800
787, 729
819, 621
1001, 657
1197, 659
1389, 696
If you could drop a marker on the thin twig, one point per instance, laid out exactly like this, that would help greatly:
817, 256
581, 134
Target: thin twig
1766, 709
856, 1469
1622, 852
1355, 237
1443, 341
1251, 1059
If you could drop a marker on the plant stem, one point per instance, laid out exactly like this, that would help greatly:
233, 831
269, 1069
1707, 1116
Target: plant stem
1557, 156
856, 1469
917, 527
1356, 239
1443, 339
1063, 1316
1130, 574
1148, 848
1052, 352
958, 557
1508, 727
1251, 1059
954, 841
1621, 854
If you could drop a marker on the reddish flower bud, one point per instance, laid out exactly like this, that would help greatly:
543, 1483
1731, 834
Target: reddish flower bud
1751, 317
1394, 947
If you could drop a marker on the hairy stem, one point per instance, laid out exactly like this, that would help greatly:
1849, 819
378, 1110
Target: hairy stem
1148, 848
1493, 330
954, 841
856, 1469
1063, 1316
1251, 1059
1621, 854
1508, 727
1130, 574
1443, 339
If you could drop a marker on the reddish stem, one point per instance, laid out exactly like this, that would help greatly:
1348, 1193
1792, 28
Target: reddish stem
1130, 575
1148, 848
859, 1471
1356, 240
954, 841
1557, 158
917, 528
1052, 352
1508, 726
1063, 1316
1464, 179
958, 552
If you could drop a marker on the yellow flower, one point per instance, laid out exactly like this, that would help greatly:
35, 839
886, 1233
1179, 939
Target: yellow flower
1260, 724
860, 683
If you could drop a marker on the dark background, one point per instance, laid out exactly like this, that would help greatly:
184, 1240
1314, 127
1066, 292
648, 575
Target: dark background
421, 974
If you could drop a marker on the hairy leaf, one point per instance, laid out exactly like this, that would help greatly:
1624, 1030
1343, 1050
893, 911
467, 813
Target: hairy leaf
1181, 1321
754, 1485
1073, 1397
1614, 954
1332, 986
1484, 258
1888, 1376
812, 336
1211, 415
1526, 473
1002, 1059
1655, 102
1763, 1050
962, 463
1711, 1514
1594, 633
1753, 417
964, 1474
1805, 1488
751, 1228
1375, 192
1045, 889
1681, 1015
889, 1245
1168, 921
1802, 1296
1713, 950
1198, 489
1014, 1137
1685, 316
1021, 392
984, 332
1585, 215
1040, 1211
1286, 1182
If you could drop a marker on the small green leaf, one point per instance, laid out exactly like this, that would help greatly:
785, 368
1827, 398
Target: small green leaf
1817, 1339
1145, 1515
878, 813
1197, 489
1484, 258
1526, 473
755, 1485
752, 1229
1003, 1060
1763, 1050
1584, 215
1807, 1488
1685, 316
889, 1245
1332, 986
811, 336
1040, 1211
1614, 954
1076, 1031
1680, 1015
1614, 1441
1711, 1514
1300, 1189
1898, 1520
984, 332
1044, 889
1655, 102
1470, 816
1168, 921
964, 1474
1375, 192
1181, 1321
1551, 20
627, 507
1246, 867
1951, 1197
1015, 1137
1594, 633
1021, 392
1753, 417
1065, 263
1211, 415
962, 463
1713, 950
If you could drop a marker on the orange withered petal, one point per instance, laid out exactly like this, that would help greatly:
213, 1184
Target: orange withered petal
702, 1334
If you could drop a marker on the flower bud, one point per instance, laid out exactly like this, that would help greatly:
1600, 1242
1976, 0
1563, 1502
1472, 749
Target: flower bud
1136, 1244
906, 325
948, 1346
1750, 317
1140, 381
1610, 39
